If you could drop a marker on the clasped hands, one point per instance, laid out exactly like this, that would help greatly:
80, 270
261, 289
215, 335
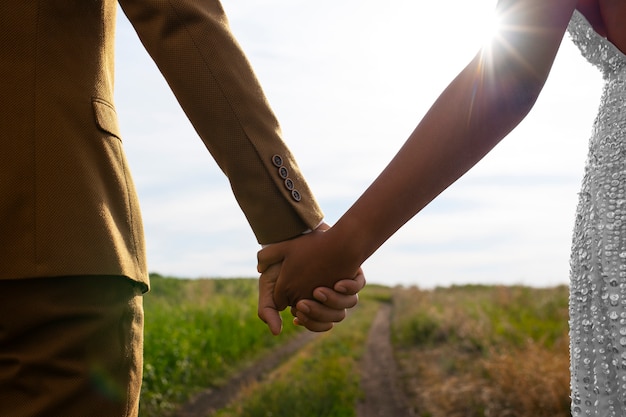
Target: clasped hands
309, 274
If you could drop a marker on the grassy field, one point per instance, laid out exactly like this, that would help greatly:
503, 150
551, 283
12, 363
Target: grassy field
468, 351
197, 332
477, 351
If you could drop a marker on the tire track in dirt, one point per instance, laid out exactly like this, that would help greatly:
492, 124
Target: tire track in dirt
383, 395
207, 402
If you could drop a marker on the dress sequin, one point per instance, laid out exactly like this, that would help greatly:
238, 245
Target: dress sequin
598, 259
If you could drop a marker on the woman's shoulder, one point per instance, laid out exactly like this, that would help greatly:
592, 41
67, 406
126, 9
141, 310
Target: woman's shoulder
606, 17
592, 12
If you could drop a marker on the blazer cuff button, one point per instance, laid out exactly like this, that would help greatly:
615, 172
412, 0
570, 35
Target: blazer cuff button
296, 195
289, 184
277, 160
283, 172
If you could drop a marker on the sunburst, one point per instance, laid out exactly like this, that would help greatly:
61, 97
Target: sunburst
491, 28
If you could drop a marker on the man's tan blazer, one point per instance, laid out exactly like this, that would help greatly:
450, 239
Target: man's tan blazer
67, 201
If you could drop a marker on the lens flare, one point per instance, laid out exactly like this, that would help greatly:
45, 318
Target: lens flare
492, 25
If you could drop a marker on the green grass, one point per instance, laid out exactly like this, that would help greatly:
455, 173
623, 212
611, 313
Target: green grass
322, 380
197, 332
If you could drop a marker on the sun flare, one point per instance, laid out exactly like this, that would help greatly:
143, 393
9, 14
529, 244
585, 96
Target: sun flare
491, 27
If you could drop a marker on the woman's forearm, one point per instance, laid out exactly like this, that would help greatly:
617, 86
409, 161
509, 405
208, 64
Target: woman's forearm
480, 107
444, 146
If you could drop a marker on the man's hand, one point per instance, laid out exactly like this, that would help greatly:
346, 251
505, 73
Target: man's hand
318, 315
317, 259
316, 303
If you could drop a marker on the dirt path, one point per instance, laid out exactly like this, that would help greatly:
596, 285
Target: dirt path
211, 400
379, 377
383, 396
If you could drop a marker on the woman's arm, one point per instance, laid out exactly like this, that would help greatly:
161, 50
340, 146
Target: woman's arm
487, 100
481, 106
613, 12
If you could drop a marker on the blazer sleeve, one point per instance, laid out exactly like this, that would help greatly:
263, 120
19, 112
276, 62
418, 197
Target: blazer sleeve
193, 47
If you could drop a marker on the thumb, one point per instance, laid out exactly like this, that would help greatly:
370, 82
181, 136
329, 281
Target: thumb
267, 309
270, 255
272, 318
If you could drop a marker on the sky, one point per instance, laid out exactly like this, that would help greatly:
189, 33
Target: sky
349, 80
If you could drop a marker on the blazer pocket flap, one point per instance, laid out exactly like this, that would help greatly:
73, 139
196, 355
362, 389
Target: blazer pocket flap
106, 117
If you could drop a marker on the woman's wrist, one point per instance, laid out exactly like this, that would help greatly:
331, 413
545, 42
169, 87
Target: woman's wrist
351, 238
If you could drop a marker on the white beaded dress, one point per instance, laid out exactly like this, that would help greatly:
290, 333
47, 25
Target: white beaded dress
598, 260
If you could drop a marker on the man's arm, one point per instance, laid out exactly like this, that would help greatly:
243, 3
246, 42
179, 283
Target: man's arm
191, 43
